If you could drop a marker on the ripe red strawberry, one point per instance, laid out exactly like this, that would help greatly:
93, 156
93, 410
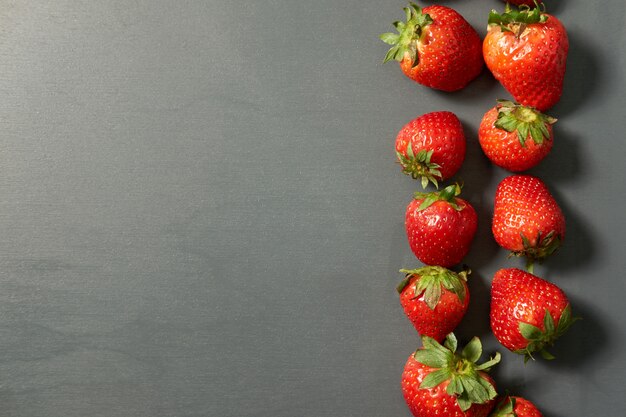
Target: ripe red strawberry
440, 226
516, 407
528, 314
431, 147
439, 382
435, 299
515, 137
436, 47
526, 218
526, 51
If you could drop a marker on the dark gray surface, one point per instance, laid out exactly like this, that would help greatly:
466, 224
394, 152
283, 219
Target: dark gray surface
201, 214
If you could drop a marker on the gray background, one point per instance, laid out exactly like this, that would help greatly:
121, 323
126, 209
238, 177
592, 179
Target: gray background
201, 214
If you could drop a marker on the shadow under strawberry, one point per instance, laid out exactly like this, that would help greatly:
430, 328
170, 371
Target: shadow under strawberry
585, 343
477, 89
583, 69
579, 245
476, 319
478, 171
563, 163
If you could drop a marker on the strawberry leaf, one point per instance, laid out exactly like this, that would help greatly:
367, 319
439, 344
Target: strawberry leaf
408, 36
431, 359
516, 20
548, 322
448, 195
419, 166
472, 350
476, 392
463, 401
526, 121
451, 343
546, 355
491, 391
432, 296
390, 38
538, 339
540, 250
490, 363
466, 383
529, 331
432, 280
454, 387
505, 408
435, 378
565, 321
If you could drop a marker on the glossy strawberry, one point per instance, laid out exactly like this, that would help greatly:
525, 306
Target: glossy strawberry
515, 137
434, 299
436, 47
437, 381
431, 147
526, 218
528, 314
515, 407
440, 226
526, 51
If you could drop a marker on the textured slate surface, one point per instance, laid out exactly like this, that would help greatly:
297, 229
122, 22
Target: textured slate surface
201, 215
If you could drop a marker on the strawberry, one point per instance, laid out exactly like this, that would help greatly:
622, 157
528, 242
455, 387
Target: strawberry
440, 226
431, 147
435, 299
515, 407
515, 137
526, 218
436, 47
528, 314
438, 382
526, 50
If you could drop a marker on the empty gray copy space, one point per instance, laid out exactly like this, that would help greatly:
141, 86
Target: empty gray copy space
201, 213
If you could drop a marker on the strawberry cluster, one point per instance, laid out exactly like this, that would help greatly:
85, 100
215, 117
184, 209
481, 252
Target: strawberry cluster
526, 51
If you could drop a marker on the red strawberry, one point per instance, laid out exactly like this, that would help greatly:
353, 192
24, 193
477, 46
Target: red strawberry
515, 137
440, 226
528, 314
435, 299
516, 407
526, 218
526, 51
439, 382
436, 47
431, 147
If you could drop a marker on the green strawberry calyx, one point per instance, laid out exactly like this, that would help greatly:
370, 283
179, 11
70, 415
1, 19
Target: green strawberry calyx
540, 339
431, 282
526, 121
420, 165
409, 33
544, 247
448, 194
517, 20
506, 408
461, 370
